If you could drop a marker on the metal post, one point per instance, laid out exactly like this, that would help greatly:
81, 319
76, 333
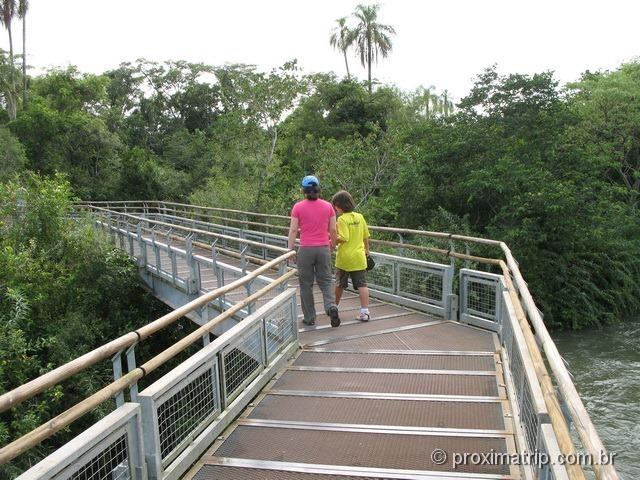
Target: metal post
156, 250
282, 269
251, 305
131, 366
194, 281
218, 272
119, 233
452, 249
400, 250
243, 259
116, 361
129, 238
142, 258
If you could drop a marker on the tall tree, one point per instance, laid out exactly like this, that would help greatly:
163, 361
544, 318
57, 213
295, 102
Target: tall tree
23, 6
7, 13
372, 39
446, 103
341, 39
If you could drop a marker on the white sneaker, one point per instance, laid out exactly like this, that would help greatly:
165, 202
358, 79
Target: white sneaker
364, 317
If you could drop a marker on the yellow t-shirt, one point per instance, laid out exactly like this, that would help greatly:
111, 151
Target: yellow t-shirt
352, 228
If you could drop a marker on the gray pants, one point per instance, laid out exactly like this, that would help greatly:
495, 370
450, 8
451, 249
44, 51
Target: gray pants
315, 262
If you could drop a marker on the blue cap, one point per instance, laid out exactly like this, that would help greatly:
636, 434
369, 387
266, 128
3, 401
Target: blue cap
310, 181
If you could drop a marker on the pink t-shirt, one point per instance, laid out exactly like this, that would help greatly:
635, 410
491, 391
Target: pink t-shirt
313, 219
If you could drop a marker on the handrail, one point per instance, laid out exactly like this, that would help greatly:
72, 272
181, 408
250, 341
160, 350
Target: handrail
579, 415
408, 246
44, 431
553, 407
440, 235
584, 426
195, 230
32, 388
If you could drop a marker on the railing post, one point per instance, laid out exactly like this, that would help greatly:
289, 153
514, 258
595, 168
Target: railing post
218, 272
131, 366
120, 235
142, 259
116, 361
156, 250
251, 305
400, 250
194, 272
282, 269
243, 259
129, 238
452, 249
172, 258
151, 437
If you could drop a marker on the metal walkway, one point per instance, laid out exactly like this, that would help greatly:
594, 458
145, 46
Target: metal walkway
445, 382
375, 400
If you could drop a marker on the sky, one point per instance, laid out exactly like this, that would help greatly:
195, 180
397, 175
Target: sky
444, 43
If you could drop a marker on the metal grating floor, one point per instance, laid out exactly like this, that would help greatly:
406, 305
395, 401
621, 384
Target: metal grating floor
222, 472
376, 411
359, 449
371, 401
406, 383
446, 336
396, 361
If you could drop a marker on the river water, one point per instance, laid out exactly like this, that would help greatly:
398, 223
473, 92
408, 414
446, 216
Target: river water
606, 369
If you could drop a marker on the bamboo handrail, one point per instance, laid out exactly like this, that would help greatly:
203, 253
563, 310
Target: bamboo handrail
49, 379
579, 415
44, 431
553, 406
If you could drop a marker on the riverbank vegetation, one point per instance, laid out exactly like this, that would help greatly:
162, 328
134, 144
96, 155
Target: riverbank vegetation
553, 170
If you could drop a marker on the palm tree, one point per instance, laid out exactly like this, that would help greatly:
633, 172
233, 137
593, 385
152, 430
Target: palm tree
23, 6
7, 13
447, 104
424, 97
341, 39
372, 38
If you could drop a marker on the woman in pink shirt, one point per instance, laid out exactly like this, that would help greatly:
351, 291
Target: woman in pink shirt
316, 220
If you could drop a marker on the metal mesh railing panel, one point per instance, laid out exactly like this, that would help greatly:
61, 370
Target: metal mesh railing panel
420, 284
517, 372
279, 328
528, 417
381, 276
506, 332
481, 298
111, 463
185, 411
242, 361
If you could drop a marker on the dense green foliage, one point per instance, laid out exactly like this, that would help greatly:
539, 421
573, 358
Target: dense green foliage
551, 170
63, 291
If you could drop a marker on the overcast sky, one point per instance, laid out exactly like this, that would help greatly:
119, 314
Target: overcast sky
444, 43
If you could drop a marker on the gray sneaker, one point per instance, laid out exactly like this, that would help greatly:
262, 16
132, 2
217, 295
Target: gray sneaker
309, 322
364, 317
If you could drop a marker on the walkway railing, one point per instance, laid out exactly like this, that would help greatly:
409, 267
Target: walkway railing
273, 332
494, 301
528, 315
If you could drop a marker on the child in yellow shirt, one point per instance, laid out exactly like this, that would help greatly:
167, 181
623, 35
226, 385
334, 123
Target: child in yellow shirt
352, 251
